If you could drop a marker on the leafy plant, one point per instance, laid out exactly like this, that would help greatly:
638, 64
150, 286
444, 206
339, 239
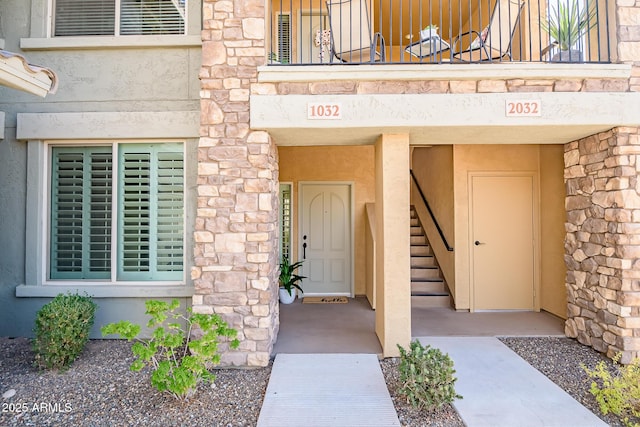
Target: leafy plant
568, 22
288, 277
427, 377
62, 330
179, 362
617, 392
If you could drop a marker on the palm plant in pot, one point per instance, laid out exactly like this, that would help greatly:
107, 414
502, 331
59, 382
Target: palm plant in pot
566, 24
289, 280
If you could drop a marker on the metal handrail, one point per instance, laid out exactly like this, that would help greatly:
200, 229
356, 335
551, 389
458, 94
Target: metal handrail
433, 217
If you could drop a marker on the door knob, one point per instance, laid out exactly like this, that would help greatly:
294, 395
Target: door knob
478, 243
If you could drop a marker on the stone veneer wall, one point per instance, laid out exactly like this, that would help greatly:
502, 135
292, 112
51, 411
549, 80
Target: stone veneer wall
602, 245
235, 254
444, 86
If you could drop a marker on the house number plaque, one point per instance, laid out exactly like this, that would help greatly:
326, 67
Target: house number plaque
324, 111
528, 108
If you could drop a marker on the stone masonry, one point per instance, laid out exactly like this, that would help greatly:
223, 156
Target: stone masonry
235, 238
602, 245
235, 266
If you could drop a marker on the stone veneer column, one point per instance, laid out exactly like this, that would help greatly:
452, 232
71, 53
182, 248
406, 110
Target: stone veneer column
235, 251
602, 245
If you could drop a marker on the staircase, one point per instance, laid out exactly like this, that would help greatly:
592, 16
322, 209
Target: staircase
428, 288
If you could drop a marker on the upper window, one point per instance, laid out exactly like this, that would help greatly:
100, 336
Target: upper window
117, 212
118, 17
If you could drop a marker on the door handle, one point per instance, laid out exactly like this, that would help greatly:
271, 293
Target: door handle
478, 243
304, 250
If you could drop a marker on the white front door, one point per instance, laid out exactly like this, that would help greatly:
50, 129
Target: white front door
502, 242
325, 238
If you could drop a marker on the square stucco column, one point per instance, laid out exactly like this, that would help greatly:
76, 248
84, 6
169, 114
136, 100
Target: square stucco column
393, 259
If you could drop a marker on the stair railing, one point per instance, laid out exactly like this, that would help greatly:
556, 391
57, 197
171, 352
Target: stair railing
433, 217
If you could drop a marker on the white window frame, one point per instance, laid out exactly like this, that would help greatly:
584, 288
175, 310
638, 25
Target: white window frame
281, 225
47, 214
41, 25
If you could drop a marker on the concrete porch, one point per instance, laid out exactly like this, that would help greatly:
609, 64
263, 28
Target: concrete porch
349, 328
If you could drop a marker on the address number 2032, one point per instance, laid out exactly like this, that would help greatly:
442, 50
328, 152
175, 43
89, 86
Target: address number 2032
529, 108
324, 111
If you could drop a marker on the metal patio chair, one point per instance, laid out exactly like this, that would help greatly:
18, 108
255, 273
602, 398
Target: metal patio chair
494, 41
352, 38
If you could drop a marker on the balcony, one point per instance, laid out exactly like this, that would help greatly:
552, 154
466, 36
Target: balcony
344, 32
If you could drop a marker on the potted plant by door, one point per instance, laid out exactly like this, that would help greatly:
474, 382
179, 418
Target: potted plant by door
566, 24
289, 280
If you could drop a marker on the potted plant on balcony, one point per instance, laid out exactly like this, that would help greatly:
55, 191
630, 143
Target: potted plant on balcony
566, 24
289, 280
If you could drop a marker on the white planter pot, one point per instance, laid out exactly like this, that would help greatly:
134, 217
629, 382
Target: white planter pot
285, 298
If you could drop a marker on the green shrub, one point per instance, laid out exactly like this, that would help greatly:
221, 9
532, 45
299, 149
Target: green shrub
427, 377
179, 362
62, 330
617, 391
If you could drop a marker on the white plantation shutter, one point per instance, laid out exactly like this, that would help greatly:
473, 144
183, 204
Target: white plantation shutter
81, 213
136, 17
151, 212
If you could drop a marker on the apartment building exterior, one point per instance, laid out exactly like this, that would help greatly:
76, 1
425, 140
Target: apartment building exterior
185, 139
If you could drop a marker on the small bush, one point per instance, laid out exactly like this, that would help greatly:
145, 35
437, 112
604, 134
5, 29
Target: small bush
179, 362
617, 392
62, 330
427, 377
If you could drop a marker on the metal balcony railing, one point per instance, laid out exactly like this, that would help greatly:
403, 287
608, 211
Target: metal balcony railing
314, 32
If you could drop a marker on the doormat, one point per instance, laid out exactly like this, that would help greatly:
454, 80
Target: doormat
325, 300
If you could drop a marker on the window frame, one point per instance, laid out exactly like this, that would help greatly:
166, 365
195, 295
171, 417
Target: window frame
117, 24
45, 243
41, 27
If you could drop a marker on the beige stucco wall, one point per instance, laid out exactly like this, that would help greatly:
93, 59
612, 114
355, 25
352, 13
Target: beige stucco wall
433, 169
553, 295
468, 158
393, 277
351, 163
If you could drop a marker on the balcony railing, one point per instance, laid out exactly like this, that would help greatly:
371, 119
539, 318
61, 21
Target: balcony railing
314, 32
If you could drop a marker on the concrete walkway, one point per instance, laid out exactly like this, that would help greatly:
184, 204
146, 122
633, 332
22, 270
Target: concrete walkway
499, 389
332, 390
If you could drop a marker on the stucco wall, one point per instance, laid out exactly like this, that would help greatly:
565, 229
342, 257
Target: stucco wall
468, 158
433, 169
553, 295
353, 163
100, 79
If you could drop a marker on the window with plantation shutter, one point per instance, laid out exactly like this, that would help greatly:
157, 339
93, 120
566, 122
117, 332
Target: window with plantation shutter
81, 213
151, 200
284, 38
146, 234
118, 17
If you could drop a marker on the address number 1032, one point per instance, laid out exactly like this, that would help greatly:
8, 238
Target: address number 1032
529, 108
324, 111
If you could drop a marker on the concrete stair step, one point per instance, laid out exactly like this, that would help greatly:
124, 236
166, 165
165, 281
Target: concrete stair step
418, 240
414, 222
429, 288
416, 230
430, 301
423, 261
420, 250
425, 273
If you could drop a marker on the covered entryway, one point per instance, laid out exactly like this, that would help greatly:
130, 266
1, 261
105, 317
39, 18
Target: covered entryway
326, 238
503, 244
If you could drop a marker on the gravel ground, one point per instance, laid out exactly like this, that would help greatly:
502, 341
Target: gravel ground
99, 389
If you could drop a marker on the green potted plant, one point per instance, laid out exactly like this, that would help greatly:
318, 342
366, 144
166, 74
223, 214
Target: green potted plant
566, 24
289, 280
